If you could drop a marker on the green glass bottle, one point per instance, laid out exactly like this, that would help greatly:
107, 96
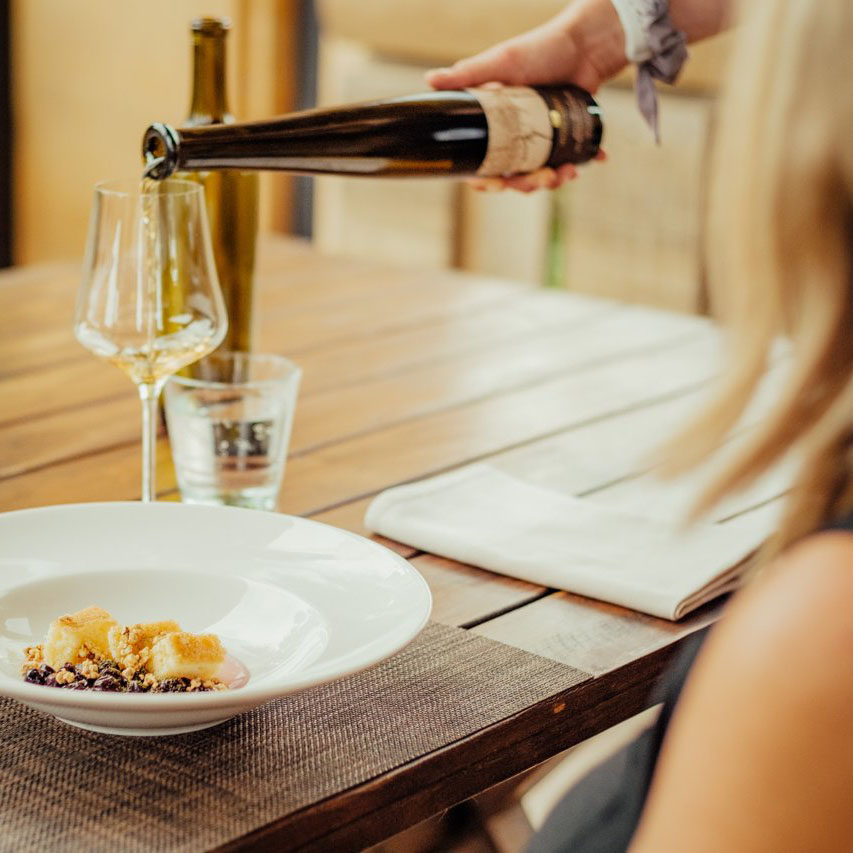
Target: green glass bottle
232, 196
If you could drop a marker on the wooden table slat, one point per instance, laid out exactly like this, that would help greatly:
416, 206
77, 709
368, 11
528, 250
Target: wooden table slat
326, 418
590, 635
38, 320
365, 464
77, 382
464, 595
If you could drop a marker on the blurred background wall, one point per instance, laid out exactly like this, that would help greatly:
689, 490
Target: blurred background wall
88, 76
5, 139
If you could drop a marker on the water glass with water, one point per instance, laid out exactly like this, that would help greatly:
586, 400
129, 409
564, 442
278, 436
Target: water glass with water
229, 428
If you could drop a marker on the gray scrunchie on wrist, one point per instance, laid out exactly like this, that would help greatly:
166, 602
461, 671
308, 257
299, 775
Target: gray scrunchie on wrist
658, 49
668, 47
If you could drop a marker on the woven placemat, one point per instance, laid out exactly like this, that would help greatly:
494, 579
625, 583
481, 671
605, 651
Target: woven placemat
62, 788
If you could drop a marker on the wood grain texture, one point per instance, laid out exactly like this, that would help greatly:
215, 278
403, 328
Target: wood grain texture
590, 635
76, 396
57, 388
109, 475
446, 439
28, 445
525, 314
446, 384
463, 595
354, 467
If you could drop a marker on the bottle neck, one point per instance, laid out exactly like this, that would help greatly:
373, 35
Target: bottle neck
209, 104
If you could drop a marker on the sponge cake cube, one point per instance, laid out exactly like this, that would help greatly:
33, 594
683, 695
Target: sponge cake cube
184, 655
71, 638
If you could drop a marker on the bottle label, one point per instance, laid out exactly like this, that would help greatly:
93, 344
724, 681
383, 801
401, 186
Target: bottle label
521, 134
576, 119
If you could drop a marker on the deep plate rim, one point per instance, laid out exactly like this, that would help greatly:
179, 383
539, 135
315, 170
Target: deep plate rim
228, 700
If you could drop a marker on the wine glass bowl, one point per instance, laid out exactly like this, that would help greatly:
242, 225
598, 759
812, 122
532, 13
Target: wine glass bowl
149, 299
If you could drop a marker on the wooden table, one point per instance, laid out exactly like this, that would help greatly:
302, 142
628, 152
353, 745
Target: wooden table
406, 374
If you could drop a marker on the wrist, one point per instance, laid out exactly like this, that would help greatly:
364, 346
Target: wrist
597, 34
700, 20
636, 17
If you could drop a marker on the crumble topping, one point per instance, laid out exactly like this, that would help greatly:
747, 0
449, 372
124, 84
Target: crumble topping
89, 650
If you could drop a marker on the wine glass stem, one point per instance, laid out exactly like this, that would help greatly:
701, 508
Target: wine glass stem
149, 393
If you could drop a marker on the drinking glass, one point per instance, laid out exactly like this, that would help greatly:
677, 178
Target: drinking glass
229, 427
149, 299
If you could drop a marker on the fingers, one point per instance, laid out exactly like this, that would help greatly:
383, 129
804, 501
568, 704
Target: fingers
501, 62
487, 185
542, 179
443, 78
567, 172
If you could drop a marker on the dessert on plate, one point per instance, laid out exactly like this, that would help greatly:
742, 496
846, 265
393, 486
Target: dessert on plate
91, 650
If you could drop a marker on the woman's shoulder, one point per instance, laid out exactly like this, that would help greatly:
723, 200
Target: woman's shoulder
760, 751
801, 606
784, 644
788, 635
787, 639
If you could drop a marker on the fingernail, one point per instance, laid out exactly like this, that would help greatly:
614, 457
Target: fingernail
486, 185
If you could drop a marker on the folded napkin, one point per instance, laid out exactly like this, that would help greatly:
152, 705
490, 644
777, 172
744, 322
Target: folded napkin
487, 518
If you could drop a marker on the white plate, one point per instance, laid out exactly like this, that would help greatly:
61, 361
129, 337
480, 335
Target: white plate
297, 603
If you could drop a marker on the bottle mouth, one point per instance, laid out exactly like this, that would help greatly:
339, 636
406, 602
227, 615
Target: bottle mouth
160, 151
210, 26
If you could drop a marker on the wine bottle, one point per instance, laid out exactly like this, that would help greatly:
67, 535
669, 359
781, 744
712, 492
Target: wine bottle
486, 132
231, 197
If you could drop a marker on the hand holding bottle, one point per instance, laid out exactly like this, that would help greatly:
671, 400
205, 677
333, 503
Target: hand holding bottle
583, 45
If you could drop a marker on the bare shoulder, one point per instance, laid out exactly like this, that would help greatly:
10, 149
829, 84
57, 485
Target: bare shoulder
800, 610
759, 755
786, 639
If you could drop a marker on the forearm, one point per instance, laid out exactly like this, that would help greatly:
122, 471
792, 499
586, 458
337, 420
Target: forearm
597, 34
699, 19
596, 31
596, 22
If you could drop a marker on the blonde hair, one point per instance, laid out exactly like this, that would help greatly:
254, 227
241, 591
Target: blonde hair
780, 255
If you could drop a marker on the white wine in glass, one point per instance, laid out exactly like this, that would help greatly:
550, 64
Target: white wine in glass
149, 300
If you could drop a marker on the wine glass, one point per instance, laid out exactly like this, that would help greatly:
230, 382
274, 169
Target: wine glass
149, 299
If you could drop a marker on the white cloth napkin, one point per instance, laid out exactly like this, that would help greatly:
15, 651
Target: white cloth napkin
487, 518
